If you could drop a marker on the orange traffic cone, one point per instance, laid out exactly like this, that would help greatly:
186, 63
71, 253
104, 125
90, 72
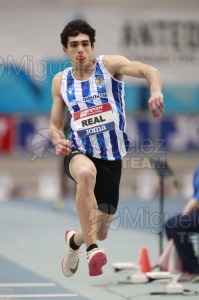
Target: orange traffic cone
143, 261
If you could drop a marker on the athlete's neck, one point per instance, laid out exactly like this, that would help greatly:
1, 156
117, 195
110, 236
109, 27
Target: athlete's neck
83, 71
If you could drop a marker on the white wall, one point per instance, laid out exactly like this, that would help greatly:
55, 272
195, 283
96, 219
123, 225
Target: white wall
32, 28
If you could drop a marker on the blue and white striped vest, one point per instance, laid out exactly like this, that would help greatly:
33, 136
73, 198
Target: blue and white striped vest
96, 106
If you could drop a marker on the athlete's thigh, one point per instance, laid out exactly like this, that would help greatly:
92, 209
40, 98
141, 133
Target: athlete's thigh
81, 163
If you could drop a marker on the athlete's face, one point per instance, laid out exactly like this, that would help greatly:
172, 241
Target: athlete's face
79, 49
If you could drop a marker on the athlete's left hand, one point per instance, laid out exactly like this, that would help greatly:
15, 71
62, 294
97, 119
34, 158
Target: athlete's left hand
63, 148
156, 104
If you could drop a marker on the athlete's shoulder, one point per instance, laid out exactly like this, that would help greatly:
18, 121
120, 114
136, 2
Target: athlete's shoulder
57, 78
112, 63
112, 58
58, 75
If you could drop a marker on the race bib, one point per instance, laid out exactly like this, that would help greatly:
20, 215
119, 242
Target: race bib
94, 120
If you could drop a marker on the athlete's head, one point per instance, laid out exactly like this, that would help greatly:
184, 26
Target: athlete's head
76, 27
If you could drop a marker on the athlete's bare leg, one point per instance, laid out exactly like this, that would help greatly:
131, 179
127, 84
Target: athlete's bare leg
103, 222
83, 171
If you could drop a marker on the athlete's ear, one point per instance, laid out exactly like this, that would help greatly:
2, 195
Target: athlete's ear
65, 50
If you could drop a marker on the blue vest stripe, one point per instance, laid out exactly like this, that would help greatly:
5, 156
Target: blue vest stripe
71, 90
86, 92
126, 141
72, 140
116, 90
87, 145
114, 144
102, 145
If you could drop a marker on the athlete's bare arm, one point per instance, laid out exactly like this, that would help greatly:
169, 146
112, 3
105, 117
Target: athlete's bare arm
192, 204
119, 65
58, 114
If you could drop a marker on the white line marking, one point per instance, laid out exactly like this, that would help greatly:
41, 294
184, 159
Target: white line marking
38, 296
27, 284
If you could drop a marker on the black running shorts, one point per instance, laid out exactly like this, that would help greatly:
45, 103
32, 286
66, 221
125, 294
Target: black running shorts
107, 181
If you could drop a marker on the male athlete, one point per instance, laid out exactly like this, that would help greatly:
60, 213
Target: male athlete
93, 91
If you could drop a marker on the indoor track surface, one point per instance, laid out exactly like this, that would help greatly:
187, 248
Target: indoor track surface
32, 246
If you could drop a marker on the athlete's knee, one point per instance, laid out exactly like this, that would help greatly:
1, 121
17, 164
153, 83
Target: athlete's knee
87, 177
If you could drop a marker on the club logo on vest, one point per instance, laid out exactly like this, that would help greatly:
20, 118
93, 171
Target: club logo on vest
100, 82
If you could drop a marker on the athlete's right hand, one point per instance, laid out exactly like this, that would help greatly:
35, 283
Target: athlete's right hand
63, 148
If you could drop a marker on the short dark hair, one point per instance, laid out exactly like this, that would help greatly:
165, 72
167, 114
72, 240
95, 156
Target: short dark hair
75, 27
